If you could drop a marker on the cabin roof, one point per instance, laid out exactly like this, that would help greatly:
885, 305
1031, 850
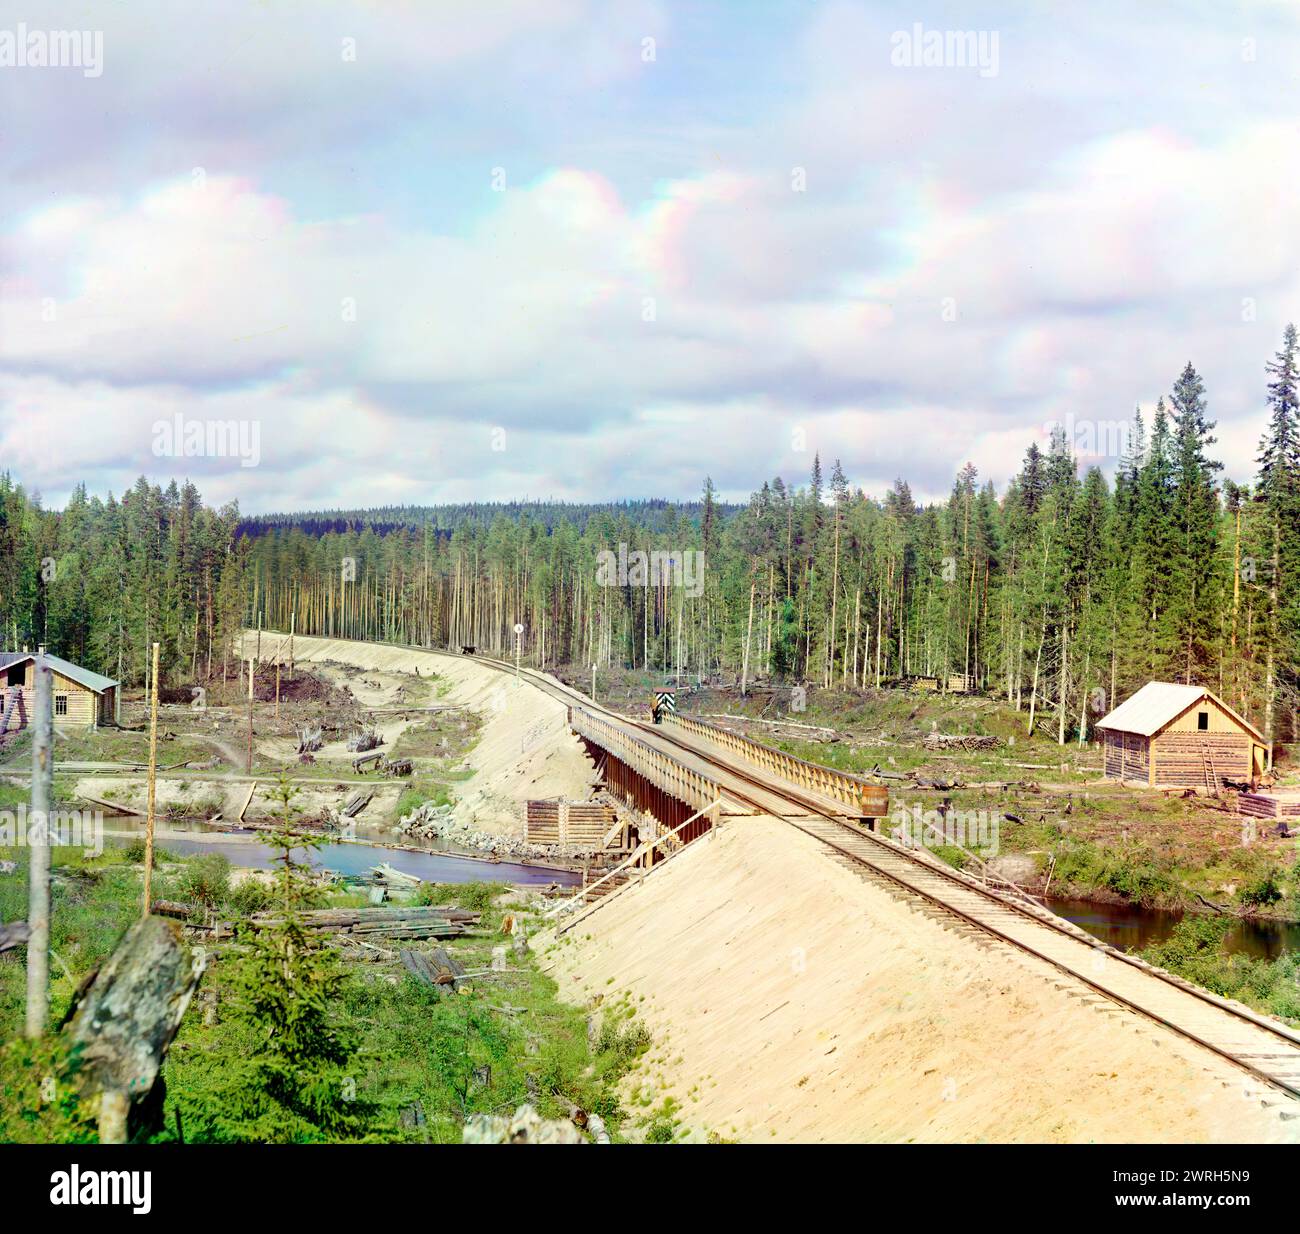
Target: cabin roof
1158, 704
95, 682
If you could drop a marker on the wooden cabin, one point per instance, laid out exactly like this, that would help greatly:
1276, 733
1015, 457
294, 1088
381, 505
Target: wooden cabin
81, 698
1175, 736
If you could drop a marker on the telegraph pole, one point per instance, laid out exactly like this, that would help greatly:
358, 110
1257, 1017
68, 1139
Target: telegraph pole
38, 842
153, 785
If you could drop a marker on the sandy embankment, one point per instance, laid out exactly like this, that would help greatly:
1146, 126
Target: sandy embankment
789, 1000
525, 749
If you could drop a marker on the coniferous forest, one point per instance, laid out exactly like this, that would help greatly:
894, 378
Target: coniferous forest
1061, 593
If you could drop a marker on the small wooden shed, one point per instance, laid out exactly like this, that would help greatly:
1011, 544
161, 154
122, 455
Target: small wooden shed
1176, 736
80, 696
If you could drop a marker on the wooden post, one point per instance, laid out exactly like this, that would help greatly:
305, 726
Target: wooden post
277, 687
293, 621
250, 717
38, 842
153, 786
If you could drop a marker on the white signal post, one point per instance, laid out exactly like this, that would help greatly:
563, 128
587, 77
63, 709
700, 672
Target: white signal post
519, 644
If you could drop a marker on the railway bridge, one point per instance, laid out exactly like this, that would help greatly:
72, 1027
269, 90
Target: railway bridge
715, 777
697, 778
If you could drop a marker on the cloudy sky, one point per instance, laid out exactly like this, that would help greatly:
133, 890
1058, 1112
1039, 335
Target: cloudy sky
439, 251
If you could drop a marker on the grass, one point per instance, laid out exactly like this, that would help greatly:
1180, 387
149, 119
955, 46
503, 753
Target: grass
417, 793
418, 1044
1195, 951
1102, 840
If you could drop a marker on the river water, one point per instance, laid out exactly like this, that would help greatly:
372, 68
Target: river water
433, 865
1128, 927
1131, 928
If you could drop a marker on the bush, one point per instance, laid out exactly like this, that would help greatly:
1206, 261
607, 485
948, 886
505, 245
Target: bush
477, 897
251, 896
1262, 892
1195, 951
133, 854
39, 1103
206, 879
622, 1047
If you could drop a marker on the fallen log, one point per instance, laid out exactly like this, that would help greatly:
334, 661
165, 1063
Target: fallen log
356, 803
174, 908
434, 968
959, 741
15, 934
113, 807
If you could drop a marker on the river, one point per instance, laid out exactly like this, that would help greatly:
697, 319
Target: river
433, 865
1131, 928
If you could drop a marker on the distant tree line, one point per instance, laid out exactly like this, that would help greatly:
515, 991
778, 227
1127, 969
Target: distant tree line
1062, 595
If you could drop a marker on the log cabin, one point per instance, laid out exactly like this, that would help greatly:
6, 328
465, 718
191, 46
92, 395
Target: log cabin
81, 698
1176, 736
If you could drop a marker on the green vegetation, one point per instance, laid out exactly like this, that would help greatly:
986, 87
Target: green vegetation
1195, 951
343, 1051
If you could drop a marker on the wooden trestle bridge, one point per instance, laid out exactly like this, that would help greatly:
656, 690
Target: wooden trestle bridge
696, 776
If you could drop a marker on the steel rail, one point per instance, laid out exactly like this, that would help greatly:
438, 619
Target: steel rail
1046, 919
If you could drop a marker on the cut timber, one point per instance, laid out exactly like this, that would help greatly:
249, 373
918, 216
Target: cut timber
390, 874
398, 922
959, 741
583, 823
174, 908
252, 788
435, 968
357, 802
127, 1018
1277, 803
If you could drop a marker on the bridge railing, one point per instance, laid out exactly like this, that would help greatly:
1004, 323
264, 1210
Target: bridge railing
861, 796
662, 770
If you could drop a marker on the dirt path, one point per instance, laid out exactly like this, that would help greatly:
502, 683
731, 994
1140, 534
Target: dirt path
525, 749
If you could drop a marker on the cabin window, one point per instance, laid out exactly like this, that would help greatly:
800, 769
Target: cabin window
60, 704
1203, 721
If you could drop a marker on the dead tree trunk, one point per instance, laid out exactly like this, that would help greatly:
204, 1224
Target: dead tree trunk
127, 1018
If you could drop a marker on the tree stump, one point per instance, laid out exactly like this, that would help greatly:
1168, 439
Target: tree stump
128, 1016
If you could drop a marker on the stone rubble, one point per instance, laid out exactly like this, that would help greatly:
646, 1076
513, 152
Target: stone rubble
525, 1126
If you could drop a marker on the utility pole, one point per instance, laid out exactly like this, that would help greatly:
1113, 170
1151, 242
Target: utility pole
38, 842
593, 683
153, 785
250, 716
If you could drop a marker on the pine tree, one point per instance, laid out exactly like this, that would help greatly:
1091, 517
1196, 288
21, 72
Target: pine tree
1196, 518
1279, 492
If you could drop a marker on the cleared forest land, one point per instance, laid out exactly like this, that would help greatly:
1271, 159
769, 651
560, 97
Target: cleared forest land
1057, 817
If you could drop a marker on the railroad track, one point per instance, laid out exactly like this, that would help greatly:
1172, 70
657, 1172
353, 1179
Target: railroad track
1264, 1049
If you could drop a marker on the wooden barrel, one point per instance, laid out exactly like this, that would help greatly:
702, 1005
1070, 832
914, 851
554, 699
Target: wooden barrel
875, 801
